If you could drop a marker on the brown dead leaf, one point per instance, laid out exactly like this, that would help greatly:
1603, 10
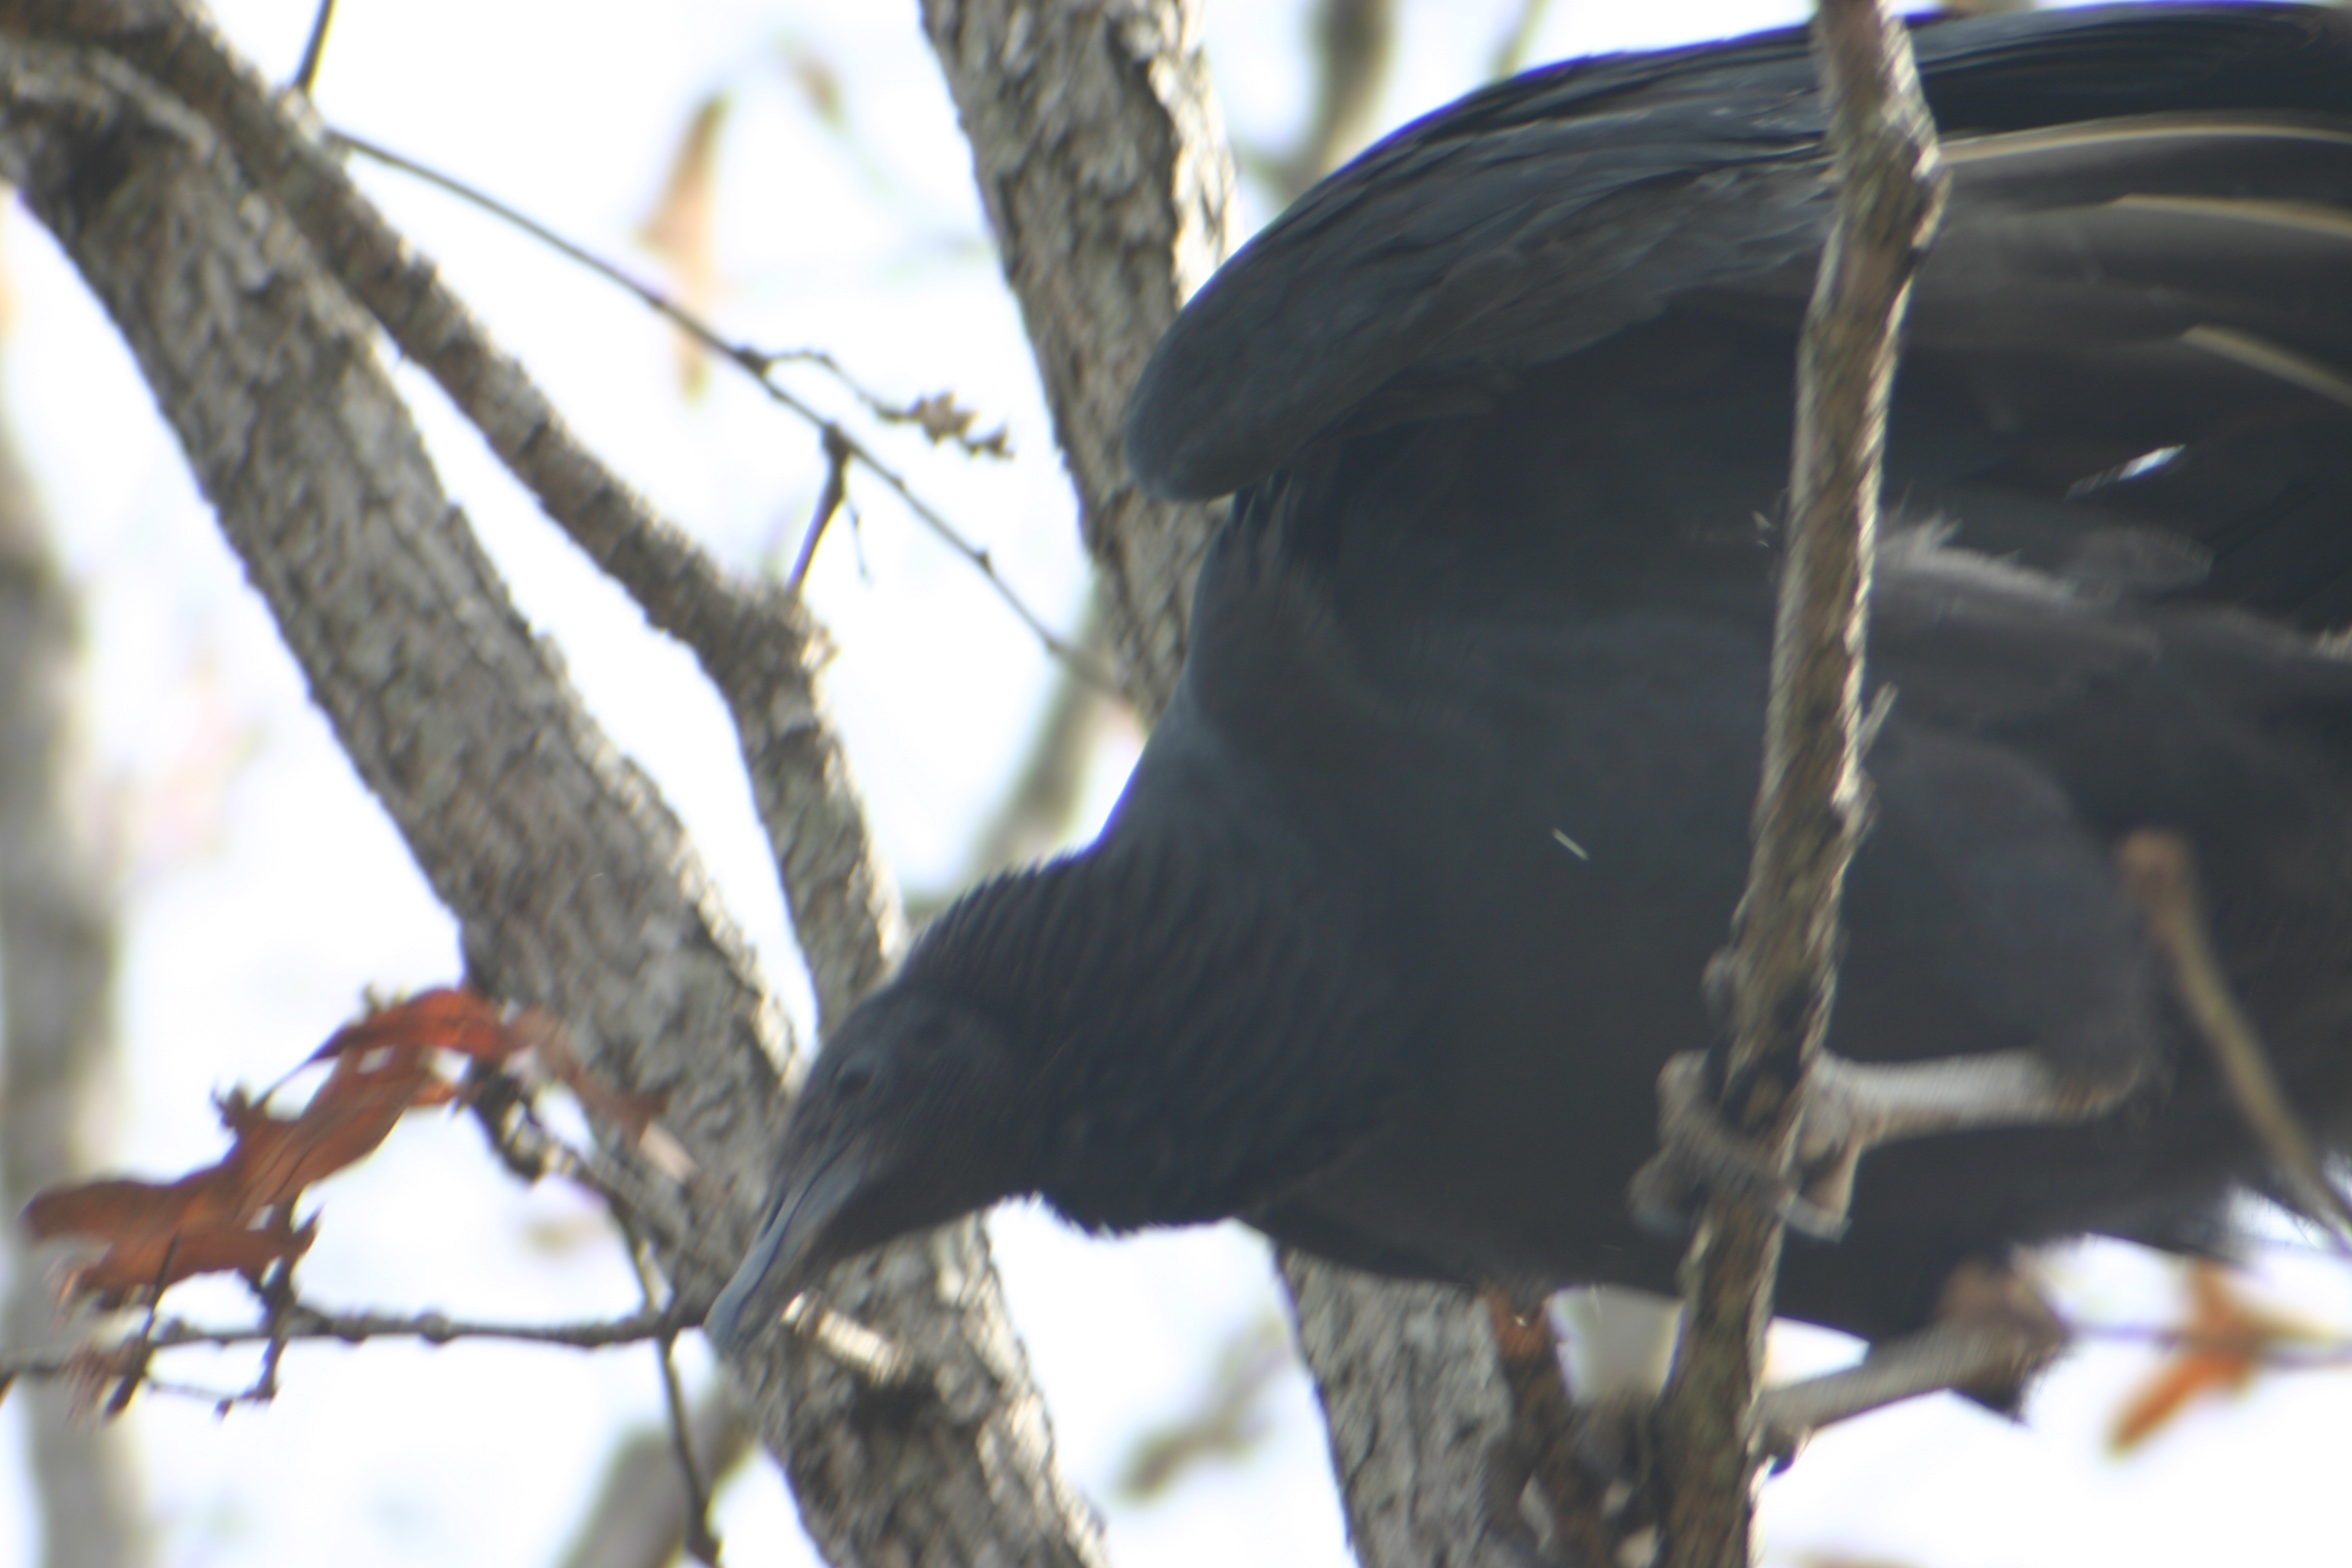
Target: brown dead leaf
2226, 1342
235, 1217
681, 230
449, 1018
634, 1114
134, 1270
159, 1234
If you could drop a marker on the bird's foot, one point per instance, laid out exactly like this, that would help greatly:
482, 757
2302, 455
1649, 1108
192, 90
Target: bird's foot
1993, 1335
1849, 1108
1697, 1149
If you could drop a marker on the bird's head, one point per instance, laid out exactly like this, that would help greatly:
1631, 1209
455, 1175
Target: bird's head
904, 1124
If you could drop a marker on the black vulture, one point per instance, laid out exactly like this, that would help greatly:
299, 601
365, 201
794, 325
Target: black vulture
1412, 892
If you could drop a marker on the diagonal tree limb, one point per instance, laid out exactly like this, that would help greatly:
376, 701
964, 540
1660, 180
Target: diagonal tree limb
572, 883
1809, 812
2160, 872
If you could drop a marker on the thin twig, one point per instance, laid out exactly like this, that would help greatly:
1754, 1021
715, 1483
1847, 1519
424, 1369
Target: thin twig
700, 1542
760, 364
757, 361
2160, 872
306, 75
828, 501
303, 1322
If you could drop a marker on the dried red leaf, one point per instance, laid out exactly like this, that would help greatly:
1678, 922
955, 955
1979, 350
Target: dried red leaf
633, 1113
135, 1268
347, 1120
124, 1209
450, 1018
2227, 1341
160, 1233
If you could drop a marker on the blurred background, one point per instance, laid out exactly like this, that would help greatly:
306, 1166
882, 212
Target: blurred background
793, 169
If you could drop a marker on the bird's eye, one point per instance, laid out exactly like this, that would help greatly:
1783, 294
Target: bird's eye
855, 1078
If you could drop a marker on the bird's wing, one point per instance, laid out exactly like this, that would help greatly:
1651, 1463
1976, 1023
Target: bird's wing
2169, 188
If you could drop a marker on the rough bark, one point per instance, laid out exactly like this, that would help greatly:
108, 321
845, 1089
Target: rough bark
574, 885
1100, 159
1418, 1416
57, 979
1809, 811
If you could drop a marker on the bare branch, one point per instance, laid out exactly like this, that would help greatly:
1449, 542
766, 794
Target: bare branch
698, 1538
302, 1323
1809, 812
1097, 148
758, 363
2160, 874
1418, 1416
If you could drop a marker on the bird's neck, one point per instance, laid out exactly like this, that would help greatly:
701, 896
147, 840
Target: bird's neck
1148, 979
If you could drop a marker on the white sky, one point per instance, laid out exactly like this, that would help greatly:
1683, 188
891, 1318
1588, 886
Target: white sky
267, 891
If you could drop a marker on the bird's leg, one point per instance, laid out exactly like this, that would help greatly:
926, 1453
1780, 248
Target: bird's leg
1993, 1335
1589, 1464
1853, 1107
1850, 1108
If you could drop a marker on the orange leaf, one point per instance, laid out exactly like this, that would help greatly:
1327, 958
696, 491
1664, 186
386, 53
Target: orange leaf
160, 1233
127, 1210
2226, 1342
133, 1268
450, 1019
680, 228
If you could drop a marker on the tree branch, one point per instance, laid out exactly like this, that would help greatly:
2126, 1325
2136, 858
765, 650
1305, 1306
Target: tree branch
1809, 812
300, 1323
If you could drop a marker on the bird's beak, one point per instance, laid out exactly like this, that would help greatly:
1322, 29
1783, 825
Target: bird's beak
785, 1258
